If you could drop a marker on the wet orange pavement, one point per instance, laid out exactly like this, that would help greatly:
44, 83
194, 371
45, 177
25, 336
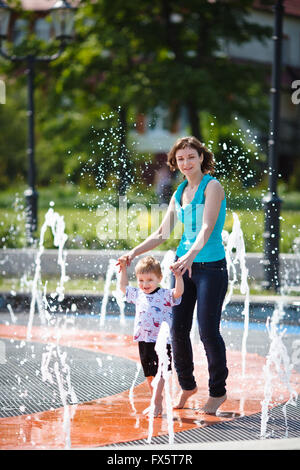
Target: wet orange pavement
116, 418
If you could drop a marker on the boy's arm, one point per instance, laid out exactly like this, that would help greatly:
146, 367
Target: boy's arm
123, 279
179, 286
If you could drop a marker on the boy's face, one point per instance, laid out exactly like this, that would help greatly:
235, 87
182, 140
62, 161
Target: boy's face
148, 282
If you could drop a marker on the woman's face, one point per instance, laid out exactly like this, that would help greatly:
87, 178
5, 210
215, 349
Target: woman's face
188, 161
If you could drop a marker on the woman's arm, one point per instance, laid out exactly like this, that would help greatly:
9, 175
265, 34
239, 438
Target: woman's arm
214, 194
156, 238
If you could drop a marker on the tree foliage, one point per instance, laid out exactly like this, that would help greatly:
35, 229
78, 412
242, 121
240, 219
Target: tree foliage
130, 57
166, 53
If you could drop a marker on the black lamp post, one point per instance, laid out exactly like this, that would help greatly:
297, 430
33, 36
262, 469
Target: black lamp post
271, 201
62, 14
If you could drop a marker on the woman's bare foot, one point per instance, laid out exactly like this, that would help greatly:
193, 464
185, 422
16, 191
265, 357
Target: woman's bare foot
212, 404
184, 395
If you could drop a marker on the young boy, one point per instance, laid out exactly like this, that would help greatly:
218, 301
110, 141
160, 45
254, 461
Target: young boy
153, 306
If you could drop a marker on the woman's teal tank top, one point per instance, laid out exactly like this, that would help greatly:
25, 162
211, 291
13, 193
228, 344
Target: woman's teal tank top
191, 217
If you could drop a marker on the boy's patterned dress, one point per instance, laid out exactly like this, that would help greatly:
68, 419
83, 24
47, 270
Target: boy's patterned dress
151, 310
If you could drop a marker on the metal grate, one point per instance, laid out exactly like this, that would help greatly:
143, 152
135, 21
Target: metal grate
93, 375
240, 429
97, 375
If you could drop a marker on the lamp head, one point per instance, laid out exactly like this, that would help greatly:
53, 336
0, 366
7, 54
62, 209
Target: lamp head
5, 13
62, 14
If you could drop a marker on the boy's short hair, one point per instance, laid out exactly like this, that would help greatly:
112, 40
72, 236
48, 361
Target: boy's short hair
148, 265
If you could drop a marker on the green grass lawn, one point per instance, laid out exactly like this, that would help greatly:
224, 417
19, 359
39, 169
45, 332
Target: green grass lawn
83, 224
95, 286
90, 285
78, 206
82, 228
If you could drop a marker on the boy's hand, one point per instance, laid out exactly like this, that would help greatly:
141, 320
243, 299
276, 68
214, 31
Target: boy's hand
182, 265
179, 285
122, 263
177, 274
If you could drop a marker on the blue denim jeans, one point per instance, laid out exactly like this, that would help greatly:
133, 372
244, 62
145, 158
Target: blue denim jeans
207, 286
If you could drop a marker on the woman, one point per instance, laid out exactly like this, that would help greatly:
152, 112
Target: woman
199, 203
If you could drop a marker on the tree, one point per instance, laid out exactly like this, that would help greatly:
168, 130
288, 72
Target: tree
168, 53
131, 57
13, 158
139, 55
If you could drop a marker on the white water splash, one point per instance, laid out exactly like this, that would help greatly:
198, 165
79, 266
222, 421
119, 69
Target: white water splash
139, 366
46, 358
167, 260
236, 254
57, 225
131, 395
120, 298
61, 370
112, 271
12, 315
278, 366
163, 363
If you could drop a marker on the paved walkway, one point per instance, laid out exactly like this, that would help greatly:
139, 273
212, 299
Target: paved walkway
107, 411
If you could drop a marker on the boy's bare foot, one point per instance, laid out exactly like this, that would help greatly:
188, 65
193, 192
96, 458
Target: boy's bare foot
146, 411
212, 404
157, 410
184, 395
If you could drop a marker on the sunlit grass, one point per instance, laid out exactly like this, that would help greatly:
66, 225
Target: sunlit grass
84, 228
95, 286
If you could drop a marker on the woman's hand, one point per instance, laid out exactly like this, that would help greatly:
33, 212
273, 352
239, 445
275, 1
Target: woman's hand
182, 265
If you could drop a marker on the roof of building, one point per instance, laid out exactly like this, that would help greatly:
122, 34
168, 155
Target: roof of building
291, 7
42, 5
